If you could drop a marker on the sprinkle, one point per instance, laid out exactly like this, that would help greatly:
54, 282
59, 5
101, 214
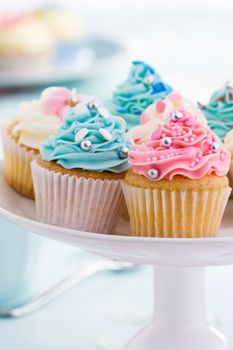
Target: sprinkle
222, 156
161, 157
154, 158
186, 139
192, 164
79, 136
191, 139
148, 159
105, 134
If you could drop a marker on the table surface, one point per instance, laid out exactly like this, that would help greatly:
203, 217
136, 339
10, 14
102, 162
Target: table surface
106, 310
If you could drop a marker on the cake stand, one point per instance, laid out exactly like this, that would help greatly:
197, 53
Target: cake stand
180, 320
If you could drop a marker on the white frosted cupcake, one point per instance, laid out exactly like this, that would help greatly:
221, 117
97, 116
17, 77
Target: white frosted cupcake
157, 113
26, 131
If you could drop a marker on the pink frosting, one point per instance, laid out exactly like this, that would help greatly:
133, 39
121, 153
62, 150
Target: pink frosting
190, 150
59, 100
9, 21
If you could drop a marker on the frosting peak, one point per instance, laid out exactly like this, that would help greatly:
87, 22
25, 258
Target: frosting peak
91, 139
142, 87
181, 147
219, 111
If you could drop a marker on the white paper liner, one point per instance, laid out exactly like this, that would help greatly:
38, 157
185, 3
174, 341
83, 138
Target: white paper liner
17, 165
165, 213
76, 202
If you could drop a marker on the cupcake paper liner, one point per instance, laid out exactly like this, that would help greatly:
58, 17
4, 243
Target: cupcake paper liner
166, 213
76, 202
17, 165
230, 177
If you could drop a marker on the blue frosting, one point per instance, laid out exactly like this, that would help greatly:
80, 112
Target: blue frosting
133, 96
219, 112
85, 124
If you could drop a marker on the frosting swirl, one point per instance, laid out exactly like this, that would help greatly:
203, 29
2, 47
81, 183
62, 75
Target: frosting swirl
142, 87
90, 139
157, 113
36, 120
181, 147
219, 111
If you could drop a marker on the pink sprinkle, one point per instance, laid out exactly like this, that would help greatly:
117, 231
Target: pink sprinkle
161, 157
148, 159
197, 160
192, 164
175, 97
160, 106
144, 118
192, 139
200, 154
154, 158
222, 156
137, 140
186, 139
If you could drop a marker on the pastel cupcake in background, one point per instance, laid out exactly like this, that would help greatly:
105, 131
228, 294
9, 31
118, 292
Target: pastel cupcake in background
78, 178
24, 44
142, 87
178, 185
26, 131
219, 111
63, 24
158, 112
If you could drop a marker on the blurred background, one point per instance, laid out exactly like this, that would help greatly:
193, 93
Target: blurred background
93, 42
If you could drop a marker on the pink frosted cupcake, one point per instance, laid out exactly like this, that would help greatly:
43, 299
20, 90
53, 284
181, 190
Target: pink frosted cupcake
177, 186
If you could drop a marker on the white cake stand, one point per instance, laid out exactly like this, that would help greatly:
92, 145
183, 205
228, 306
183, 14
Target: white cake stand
180, 321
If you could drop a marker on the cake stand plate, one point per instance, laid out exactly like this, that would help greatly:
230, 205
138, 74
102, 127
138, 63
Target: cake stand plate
180, 320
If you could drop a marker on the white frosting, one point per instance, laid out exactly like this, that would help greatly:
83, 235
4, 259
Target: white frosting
153, 116
33, 125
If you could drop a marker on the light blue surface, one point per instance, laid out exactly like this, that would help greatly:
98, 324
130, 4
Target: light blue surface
103, 312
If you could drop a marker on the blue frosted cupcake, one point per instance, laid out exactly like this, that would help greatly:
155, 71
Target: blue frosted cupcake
142, 87
219, 111
78, 178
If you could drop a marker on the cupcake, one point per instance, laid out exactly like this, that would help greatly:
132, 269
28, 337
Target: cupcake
219, 111
157, 113
178, 185
142, 87
78, 177
24, 44
25, 133
63, 24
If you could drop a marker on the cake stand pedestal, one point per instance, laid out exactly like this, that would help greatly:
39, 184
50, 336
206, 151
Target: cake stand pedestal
180, 321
